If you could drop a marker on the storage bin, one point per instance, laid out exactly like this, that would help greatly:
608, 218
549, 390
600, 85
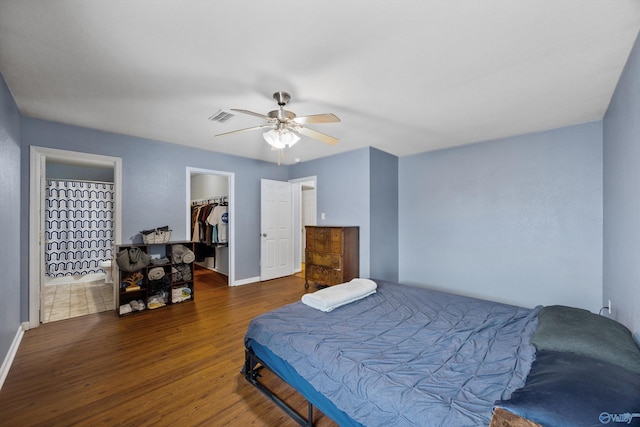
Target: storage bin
158, 236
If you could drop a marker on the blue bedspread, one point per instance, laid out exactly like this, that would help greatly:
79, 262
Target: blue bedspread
406, 355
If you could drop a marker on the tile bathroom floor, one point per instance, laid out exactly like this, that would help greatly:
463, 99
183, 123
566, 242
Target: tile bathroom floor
65, 301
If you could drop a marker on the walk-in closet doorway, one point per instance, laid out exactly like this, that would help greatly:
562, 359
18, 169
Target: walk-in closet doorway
40, 157
210, 194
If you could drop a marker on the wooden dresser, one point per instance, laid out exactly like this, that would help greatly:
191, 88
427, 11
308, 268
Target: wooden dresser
332, 255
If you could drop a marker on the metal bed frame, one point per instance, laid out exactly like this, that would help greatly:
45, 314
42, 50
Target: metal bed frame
251, 371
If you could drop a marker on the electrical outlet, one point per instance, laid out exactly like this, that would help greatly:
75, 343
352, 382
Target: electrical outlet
609, 306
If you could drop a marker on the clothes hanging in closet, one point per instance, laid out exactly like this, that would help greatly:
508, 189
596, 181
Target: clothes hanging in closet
219, 220
209, 220
209, 223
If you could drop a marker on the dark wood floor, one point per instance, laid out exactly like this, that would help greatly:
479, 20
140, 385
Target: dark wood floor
178, 365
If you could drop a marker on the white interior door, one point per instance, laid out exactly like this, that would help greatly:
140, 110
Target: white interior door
276, 225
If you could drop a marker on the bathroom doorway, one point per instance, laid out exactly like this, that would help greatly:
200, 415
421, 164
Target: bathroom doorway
78, 236
77, 223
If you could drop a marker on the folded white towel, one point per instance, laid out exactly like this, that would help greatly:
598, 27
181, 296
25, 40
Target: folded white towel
335, 296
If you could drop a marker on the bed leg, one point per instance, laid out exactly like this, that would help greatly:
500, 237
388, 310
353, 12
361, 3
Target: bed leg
251, 372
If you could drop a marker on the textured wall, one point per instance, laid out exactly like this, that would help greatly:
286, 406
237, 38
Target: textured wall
622, 197
9, 219
154, 180
342, 193
384, 215
517, 220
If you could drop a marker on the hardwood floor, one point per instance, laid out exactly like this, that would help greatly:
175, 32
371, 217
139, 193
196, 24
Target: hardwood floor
178, 365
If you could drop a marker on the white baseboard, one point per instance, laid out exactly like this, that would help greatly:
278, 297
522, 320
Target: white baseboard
245, 281
11, 354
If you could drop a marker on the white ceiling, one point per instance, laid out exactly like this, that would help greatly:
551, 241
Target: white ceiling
405, 77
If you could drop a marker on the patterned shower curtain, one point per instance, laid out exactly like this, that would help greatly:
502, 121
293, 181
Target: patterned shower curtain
78, 226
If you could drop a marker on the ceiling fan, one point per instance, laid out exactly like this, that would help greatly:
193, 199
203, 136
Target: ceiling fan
285, 125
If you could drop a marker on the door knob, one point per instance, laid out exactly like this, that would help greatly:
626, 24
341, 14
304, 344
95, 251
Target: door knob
264, 234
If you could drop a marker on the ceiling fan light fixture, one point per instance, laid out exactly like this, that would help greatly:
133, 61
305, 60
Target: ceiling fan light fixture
273, 139
280, 139
289, 138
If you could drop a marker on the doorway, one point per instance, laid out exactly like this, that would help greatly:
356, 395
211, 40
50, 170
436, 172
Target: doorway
306, 215
98, 296
210, 207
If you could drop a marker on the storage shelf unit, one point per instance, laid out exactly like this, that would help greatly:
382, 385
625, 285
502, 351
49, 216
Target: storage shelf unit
332, 255
175, 285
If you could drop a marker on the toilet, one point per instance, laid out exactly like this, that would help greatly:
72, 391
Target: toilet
106, 266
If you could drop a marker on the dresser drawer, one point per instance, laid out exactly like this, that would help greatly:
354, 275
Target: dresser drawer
322, 245
331, 255
324, 260
321, 233
324, 275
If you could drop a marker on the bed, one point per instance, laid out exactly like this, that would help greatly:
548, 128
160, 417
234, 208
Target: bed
402, 356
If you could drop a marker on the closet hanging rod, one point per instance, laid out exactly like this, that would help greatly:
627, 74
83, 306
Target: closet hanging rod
215, 199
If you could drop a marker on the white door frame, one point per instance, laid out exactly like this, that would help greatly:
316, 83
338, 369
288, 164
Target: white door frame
232, 217
38, 155
297, 219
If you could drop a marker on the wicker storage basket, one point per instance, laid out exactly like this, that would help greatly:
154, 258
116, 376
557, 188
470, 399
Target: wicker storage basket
158, 236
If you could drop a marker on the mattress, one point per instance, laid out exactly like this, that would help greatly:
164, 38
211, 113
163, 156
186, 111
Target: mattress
405, 355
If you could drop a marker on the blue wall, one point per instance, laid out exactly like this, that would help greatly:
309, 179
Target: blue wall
622, 197
342, 193
384, 215
360, 188
517, 220
9, 220
154, 177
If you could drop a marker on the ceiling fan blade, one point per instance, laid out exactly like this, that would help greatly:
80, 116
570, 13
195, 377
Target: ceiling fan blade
251, 113
244, 130
317, 118
317, 135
